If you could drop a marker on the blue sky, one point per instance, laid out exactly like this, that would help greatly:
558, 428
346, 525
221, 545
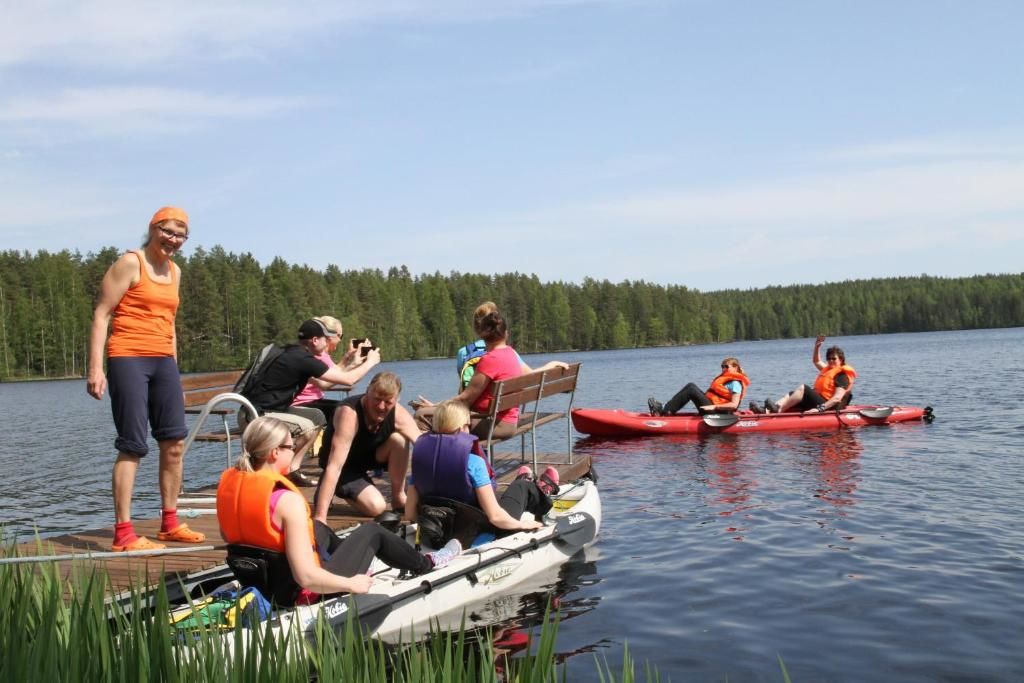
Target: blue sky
707, 144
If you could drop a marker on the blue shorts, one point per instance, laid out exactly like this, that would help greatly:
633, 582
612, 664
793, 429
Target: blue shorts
145, 389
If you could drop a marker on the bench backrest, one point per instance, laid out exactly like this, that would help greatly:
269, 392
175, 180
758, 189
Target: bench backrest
201, 387
533, 386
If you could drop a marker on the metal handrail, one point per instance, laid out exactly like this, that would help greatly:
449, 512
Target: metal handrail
205, 413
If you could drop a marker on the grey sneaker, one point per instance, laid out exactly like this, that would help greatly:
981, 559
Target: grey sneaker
771, 406
755, 408
655, 407
449, 552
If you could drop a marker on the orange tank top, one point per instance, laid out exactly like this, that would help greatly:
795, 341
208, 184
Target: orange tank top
144, 318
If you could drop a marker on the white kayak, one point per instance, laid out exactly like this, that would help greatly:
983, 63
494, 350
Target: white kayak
404, 609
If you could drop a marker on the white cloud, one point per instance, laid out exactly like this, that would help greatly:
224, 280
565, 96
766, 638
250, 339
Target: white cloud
924, 192
999, 145
124, 34
117, 109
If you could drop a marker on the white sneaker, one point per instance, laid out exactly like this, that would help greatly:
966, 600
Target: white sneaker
449, 552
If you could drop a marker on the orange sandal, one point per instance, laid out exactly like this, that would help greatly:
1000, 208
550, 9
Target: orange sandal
140, 543
181, 534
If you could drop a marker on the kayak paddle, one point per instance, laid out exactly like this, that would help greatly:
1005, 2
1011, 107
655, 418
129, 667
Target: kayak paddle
720, 419
572, 530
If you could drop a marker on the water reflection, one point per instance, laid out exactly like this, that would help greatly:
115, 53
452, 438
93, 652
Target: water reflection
508, 622
730, 481
839, 468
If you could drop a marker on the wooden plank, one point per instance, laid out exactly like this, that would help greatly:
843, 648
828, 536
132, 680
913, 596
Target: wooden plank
205, 380
200, 397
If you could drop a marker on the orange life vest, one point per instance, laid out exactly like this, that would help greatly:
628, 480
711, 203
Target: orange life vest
825, 385
719, 393
243, 509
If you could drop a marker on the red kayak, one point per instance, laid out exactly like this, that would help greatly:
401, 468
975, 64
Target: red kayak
604, 422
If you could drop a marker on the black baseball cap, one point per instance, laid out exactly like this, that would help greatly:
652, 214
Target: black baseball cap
314, 328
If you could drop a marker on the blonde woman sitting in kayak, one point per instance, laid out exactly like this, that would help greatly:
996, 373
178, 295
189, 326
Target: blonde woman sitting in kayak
831, 389
443, 465
265, 519
723, 396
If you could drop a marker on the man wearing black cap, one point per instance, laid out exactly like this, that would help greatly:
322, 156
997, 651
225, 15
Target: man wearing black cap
285, 377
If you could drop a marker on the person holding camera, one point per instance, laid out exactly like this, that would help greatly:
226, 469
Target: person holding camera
312, 395
371, 431
286, 376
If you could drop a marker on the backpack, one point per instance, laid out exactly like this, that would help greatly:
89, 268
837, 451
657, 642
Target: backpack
466, 359
253, 375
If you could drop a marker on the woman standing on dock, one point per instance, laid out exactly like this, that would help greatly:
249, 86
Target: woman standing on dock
140, 292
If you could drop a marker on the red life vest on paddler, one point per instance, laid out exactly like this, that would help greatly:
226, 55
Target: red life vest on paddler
243, 509
825, 385
719, 393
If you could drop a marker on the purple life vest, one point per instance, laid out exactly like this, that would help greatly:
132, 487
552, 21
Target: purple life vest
439, 466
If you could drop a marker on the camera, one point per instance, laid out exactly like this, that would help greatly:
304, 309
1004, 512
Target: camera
356, 342
366, 350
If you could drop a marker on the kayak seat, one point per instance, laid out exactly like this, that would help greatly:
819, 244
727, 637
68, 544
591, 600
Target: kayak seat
263, 569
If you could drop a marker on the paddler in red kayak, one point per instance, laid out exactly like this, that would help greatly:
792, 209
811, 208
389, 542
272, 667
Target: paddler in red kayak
832, 387
723, 396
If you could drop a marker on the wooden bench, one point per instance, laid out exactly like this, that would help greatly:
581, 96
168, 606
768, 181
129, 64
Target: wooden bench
201, 388
526, 392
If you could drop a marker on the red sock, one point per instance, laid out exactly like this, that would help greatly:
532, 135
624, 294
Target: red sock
169, 520
124, 533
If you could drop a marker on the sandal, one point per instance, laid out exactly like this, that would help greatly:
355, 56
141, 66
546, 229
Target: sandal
181, 534
140, 543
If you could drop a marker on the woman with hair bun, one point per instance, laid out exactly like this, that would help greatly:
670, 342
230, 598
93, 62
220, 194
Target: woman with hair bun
498, 363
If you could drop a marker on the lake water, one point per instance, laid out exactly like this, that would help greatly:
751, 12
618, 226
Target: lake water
881, 553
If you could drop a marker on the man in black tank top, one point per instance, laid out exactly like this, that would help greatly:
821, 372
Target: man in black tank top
371, 431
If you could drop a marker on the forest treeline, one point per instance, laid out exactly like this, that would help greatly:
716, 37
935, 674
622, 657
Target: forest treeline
231, 306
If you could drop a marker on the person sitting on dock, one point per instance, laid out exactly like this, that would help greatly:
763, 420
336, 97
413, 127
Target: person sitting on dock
499, 363
723, 396
371, 431
832, 388
444, 466
276, 546
467, 357
312, 395
288, 373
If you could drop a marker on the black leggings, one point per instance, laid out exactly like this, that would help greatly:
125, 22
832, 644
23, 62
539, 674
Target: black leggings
523, 495
353, 554
691, 392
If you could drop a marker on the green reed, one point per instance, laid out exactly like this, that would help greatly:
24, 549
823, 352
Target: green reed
54, 629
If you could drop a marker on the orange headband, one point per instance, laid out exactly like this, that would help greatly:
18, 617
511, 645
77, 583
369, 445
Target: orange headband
170, 213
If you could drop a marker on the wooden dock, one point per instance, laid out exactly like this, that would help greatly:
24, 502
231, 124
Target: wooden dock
190, 568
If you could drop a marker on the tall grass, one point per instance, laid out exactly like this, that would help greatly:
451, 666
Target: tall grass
57, 630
